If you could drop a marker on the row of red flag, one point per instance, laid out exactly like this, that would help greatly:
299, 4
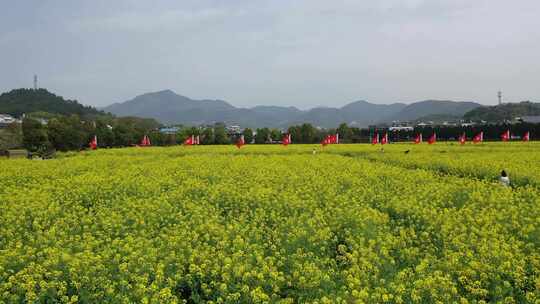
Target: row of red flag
286, 140
479, 137
145, 142
332, 139
190, 141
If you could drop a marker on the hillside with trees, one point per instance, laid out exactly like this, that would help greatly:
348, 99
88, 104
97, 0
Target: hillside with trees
54, 123
25, 101
506, 111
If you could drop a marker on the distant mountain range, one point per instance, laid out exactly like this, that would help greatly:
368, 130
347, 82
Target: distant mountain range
170, 108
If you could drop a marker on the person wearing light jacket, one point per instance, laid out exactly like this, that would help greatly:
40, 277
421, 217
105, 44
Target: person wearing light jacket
504, 179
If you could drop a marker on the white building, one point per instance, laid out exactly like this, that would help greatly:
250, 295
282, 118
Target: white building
530, 119
6, 119
169, 130
401, 128
234, 129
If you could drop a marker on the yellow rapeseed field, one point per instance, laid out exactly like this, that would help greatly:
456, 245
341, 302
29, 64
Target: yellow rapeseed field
273, 224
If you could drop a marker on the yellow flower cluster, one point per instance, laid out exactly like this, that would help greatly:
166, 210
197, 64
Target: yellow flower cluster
270, 224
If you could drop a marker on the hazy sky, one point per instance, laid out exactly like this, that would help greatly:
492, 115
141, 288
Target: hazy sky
303, 53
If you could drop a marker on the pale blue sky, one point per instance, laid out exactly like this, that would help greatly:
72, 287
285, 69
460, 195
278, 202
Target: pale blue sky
304, 53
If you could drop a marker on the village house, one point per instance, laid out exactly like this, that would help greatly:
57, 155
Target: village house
6, 120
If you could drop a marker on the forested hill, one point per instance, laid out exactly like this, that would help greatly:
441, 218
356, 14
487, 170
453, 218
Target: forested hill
507, 111
19, 101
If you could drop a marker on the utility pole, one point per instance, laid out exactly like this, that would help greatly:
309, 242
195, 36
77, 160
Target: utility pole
35, 82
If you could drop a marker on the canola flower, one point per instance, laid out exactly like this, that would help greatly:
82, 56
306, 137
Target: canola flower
482, 161
265, 224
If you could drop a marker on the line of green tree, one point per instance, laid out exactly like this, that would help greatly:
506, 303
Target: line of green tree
70, 133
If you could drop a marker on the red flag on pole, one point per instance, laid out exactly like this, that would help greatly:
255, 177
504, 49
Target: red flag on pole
375, 139
93, 143
478, 137
190, 141
325, 141
463, 138
286, 139
145, 142
432, 139
384, 139
526, 136
240, 142
506, 135
418, 138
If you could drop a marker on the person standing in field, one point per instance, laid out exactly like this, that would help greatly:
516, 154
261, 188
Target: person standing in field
504, 179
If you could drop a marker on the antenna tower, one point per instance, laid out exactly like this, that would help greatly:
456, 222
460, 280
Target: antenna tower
499, 94
35, 82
